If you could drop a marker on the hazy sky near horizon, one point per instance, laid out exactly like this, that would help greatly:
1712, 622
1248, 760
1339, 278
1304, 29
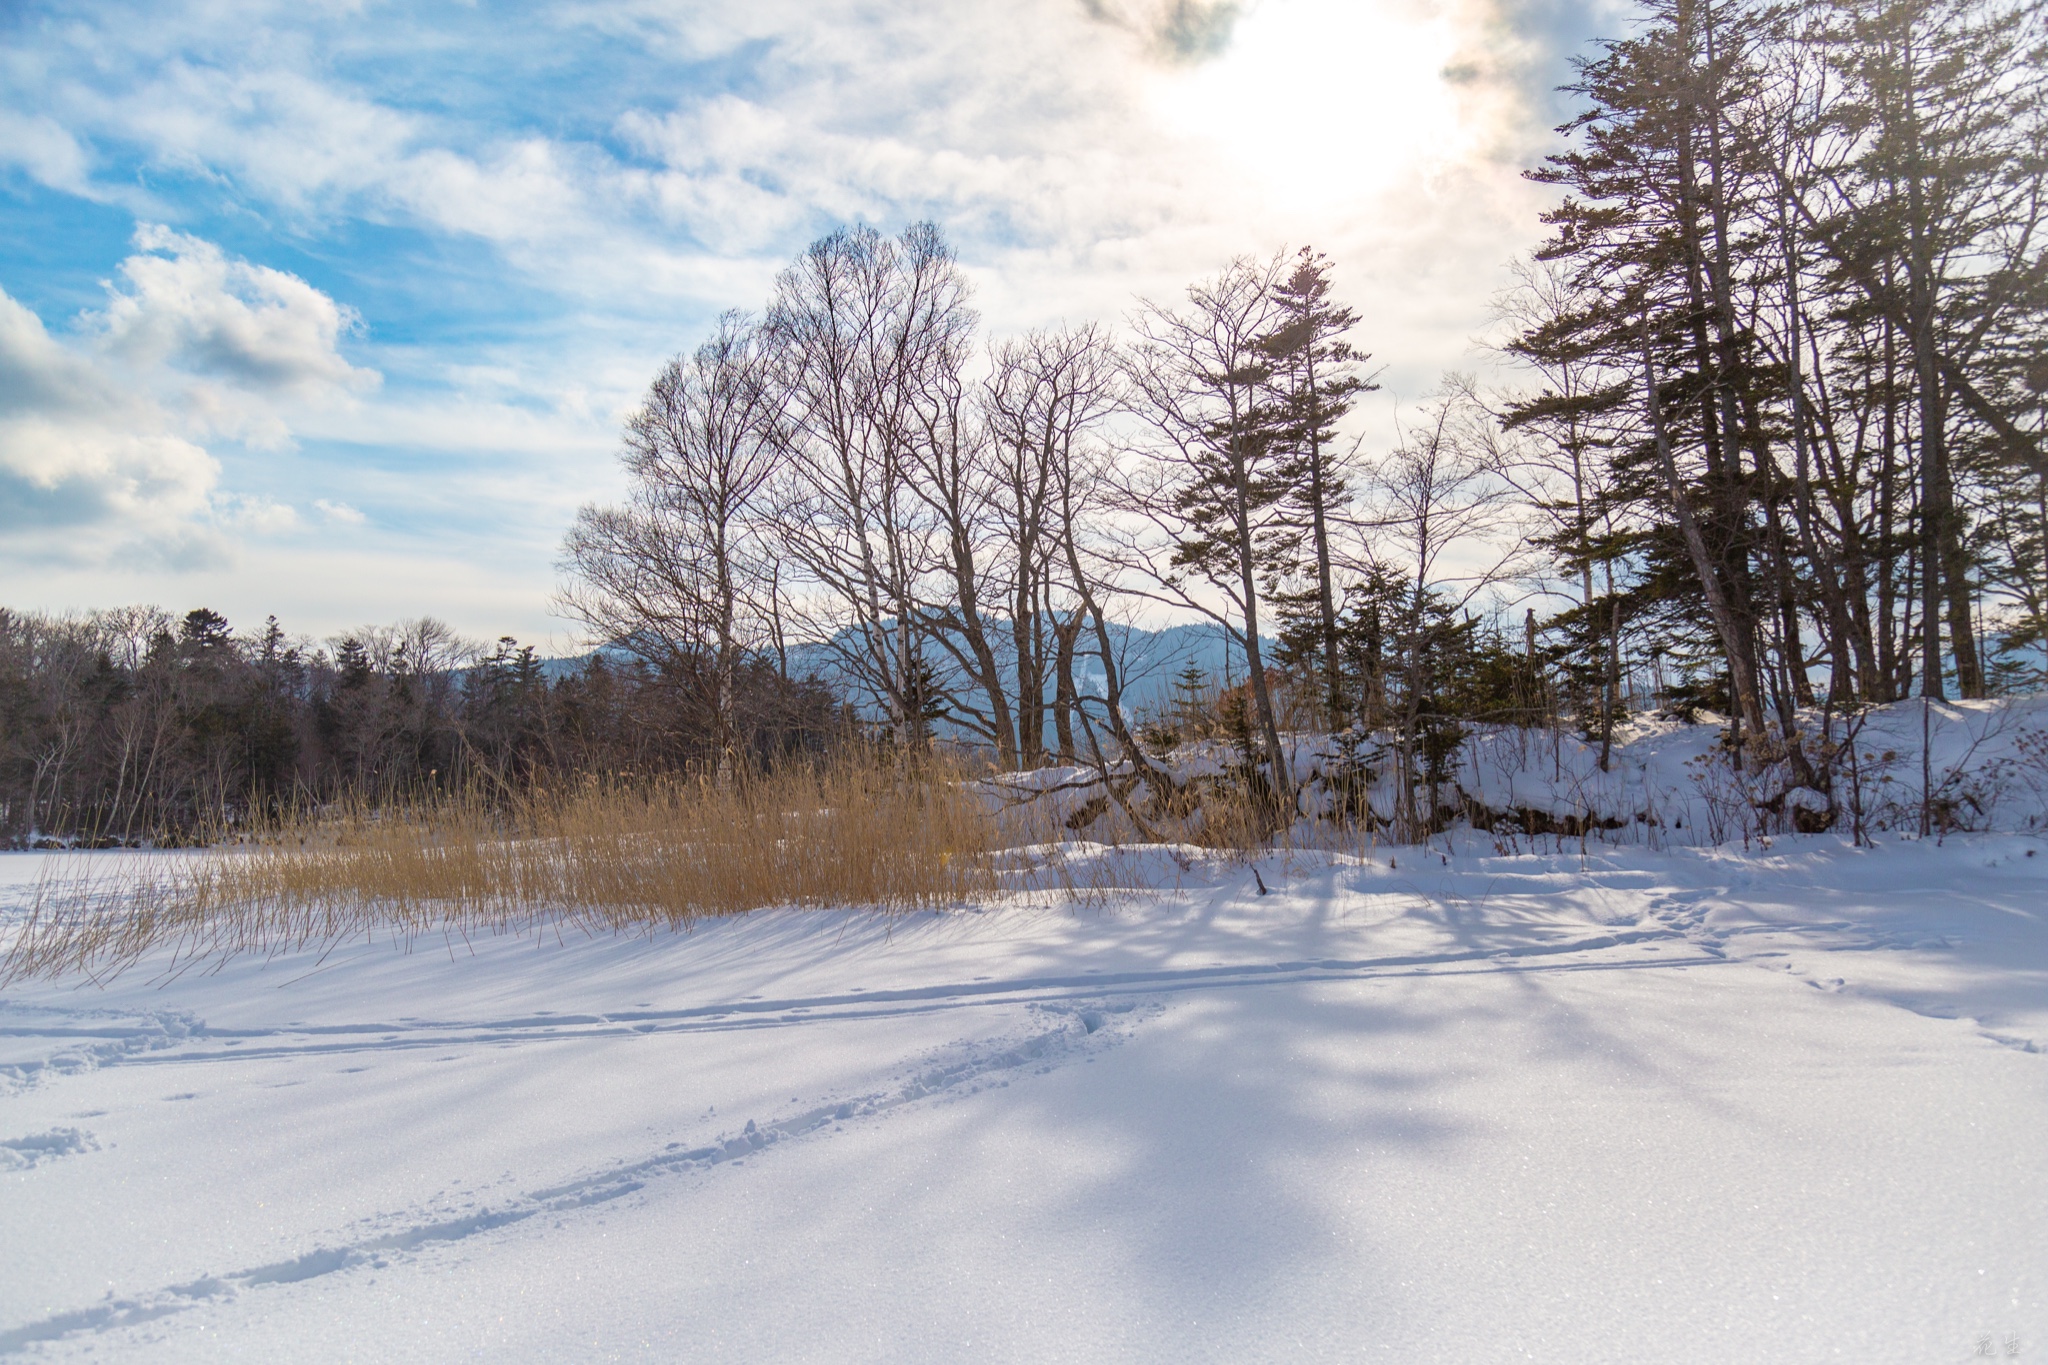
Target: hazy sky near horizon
332, 309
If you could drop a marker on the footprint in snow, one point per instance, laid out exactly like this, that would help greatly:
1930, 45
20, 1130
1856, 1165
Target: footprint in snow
22, 1153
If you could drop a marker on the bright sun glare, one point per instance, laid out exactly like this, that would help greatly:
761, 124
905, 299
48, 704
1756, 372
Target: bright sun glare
1326, 100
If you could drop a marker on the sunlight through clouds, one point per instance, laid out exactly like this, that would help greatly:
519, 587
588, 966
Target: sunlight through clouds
417, 263
1322, 102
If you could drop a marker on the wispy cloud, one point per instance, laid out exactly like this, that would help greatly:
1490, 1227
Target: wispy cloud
40, 146
1177, 30
338, 512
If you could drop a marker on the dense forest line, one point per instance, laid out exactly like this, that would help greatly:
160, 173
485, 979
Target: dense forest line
132, 725
1773, 444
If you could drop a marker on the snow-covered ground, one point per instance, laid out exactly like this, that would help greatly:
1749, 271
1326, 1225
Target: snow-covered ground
1635, 1105
1667, 782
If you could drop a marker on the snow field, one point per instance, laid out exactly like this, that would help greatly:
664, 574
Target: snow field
1683, 1105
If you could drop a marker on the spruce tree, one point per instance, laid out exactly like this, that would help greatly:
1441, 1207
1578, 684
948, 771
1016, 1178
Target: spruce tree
1315, 381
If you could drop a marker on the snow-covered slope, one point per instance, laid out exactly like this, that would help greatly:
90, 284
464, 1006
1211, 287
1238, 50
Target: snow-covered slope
1671, 1105
1670, 782
1986, 768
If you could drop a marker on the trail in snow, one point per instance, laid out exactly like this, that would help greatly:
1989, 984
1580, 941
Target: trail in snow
176, 1038
1071, 1009
1064, 1033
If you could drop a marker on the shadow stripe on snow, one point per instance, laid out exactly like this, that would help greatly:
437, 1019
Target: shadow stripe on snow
1070, 1032
1074, 1029
805, 1009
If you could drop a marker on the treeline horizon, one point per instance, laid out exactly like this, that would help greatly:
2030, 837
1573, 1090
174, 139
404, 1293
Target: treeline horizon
132, 725
1772, 438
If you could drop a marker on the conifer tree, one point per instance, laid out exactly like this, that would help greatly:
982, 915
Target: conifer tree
1315, 382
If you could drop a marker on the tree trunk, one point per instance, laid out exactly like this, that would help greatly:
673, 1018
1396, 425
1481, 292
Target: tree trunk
1254, 657
1734, 640
1065, 695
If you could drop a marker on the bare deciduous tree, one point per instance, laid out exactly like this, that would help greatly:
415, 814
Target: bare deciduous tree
680, 575
1209, 488
1439, 502
864, 330
1045, 395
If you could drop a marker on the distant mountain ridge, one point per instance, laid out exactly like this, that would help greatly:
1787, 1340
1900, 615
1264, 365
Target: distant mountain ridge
1152, 659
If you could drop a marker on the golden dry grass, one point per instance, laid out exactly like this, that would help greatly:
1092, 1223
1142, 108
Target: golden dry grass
595, 857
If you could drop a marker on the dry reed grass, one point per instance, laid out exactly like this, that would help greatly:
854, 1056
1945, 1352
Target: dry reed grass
596, 857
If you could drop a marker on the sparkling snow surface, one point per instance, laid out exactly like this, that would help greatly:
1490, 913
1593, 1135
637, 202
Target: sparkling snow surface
1619, 1106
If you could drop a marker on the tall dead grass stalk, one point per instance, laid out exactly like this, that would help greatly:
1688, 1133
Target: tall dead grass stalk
597, 856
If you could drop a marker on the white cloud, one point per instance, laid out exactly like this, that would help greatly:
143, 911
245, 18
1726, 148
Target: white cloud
186, 305
1075, 165
255, 513
1077, 150
339, 513
80, 451
42, 147
102, 448
251, 113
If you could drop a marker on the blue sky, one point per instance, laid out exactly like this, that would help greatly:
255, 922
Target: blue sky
331, 310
